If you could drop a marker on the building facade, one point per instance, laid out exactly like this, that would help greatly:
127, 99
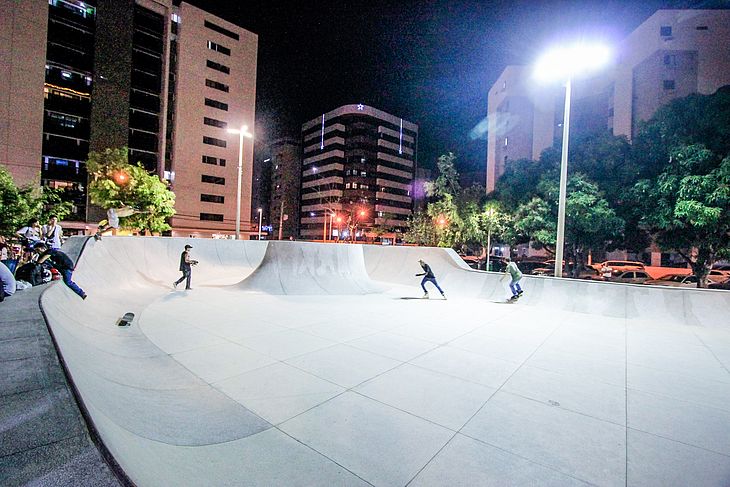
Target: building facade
672, 54
163, 80
357, 173
285, 165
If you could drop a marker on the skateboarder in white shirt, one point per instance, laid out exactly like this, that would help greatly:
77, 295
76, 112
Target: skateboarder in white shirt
113, 215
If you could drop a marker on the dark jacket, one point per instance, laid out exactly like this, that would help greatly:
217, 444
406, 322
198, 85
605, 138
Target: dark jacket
59, 260
426, 271
184, 266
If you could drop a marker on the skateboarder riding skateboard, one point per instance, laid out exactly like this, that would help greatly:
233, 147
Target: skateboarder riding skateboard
428, 277
514, 272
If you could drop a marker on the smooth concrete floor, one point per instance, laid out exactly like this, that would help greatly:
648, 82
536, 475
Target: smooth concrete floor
384, 390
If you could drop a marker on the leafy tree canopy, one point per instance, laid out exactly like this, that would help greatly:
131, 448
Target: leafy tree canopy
20, 204
687, 206
114, 182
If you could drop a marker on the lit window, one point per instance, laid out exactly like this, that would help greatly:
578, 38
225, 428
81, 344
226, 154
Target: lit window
347, 185
363, 173
175, 18
506, 140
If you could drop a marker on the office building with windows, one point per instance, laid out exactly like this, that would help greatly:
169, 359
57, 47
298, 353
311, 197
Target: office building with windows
672, 54
284, 157
163, 80
358, 164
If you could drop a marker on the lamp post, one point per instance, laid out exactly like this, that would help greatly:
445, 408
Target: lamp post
490, 216
261, 212
564, 64
242, 132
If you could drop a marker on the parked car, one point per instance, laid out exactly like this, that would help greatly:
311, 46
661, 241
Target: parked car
619, 266
720, 285
630, 277
471, 260
674, 280
529, 266
717, 275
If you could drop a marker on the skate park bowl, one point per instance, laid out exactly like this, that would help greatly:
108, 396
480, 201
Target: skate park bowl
296, 363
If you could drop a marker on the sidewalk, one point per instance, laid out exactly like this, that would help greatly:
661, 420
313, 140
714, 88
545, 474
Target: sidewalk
44, 439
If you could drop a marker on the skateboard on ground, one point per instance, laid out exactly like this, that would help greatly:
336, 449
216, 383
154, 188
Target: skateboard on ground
126, 320
514, 299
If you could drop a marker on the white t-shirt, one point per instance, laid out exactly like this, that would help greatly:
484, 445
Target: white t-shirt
54, 241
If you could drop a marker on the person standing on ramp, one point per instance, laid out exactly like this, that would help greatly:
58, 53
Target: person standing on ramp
428, 277
514, 272
186, 264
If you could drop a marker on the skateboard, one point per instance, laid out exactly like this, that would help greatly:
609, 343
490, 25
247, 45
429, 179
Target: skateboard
513, 299
126, 320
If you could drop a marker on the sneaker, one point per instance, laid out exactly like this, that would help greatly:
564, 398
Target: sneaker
188, 289
83, 296
520, 293
97, 237
425, 296
174, 285
443, 295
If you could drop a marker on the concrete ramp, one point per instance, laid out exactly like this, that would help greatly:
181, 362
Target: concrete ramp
310, 268
295, 363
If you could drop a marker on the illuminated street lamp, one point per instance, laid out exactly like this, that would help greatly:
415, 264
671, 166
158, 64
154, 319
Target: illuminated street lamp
242, 132
261, 212
121, 178
564, 64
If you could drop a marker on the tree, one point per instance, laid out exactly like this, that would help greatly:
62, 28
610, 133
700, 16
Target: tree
421, 230
590, 223
19, 204
15, 208
491, 222
114, 182
694, 119
687, 207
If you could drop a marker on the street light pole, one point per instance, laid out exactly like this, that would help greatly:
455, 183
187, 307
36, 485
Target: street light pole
564, 64
261, 212
242, 132
560, 241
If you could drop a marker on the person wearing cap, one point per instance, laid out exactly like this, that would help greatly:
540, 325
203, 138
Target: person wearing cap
186, 264
63, 264
428, 276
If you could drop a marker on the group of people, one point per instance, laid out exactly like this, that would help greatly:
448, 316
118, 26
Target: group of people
512, 271
50, 233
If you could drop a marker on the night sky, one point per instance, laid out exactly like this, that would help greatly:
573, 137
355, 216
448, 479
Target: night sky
430, 62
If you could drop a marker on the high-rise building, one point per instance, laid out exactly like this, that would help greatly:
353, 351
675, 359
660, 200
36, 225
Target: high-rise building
672, 54
357, 168
285, 166
164, 80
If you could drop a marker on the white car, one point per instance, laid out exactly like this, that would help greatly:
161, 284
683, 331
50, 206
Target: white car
674, 280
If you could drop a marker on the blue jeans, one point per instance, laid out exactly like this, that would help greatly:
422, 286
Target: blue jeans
515, 287
431, 280
67, 275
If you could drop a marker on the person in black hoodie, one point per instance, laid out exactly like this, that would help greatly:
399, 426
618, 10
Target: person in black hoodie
428, 277
63, 264
186, 264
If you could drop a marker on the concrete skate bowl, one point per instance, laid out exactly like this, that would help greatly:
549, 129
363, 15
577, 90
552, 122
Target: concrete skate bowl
266, 372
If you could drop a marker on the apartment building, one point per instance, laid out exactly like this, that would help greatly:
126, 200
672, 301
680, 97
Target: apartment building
357, 173
164, 80
672, 54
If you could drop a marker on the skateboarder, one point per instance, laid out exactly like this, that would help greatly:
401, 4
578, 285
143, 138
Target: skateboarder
62, 263
428, 277
515, 274
112, 219
186, 264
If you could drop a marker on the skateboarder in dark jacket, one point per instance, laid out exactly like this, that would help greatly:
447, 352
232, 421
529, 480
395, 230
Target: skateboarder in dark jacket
63, 264
186, 264
428, 277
